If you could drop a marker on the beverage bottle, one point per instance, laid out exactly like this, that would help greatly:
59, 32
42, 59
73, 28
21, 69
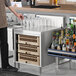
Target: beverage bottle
56, 2
71, 23
73, 49
58, 47
73, 35
64, 47
67, 41
62, 32
53, 45
70, 46
67, 48
75, 44
53, 41
60, 39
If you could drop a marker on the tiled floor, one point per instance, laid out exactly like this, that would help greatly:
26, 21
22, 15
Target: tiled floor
15, 74
64, 70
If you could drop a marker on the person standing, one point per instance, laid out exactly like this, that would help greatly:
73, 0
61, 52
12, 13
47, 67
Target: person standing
3, 34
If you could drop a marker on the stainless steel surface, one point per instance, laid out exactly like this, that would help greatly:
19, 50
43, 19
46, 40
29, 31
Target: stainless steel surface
35, 21
43, 28
50, 70
13, 22
62, 52
43, 21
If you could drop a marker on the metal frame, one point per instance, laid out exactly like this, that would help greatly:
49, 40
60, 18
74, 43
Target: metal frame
57, 63
17, 64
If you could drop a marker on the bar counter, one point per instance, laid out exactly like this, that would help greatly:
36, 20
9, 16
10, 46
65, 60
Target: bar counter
63, 9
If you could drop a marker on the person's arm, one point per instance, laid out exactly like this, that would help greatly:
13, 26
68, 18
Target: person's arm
20, 16
8, 4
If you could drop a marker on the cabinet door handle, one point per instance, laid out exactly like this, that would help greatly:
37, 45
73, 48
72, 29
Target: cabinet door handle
25, 52
25, 42
25, 61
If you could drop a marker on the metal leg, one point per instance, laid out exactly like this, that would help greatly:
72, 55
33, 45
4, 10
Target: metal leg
57, 67
40, 70
14, 64
57, 62
70, 64
18, 65
64, 62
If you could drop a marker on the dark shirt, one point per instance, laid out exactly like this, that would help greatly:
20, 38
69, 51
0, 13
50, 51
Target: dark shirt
7, 3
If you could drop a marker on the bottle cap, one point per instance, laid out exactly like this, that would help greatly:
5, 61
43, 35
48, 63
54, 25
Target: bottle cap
74, 43
73, 36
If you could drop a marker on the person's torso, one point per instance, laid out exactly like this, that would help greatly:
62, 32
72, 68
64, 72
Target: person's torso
3, 22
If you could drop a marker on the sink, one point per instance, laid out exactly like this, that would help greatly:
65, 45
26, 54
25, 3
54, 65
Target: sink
17, 26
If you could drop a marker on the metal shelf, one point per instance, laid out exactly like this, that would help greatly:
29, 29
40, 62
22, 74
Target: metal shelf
63, 54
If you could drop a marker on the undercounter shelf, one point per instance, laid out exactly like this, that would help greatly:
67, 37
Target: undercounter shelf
62, 54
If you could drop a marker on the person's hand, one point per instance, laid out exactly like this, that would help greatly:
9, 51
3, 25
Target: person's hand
20, 16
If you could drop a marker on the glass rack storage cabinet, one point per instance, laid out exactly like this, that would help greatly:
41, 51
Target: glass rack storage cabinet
30, 44
29, 49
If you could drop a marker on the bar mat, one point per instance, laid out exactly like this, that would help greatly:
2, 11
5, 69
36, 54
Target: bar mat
44, 6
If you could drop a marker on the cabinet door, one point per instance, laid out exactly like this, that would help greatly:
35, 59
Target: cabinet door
29, 49
29, 58
25, 39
